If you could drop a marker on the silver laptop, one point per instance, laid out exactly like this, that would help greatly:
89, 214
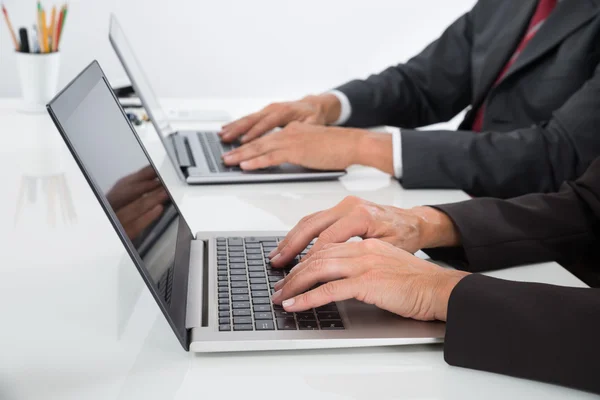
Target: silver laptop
197, 155
213, 288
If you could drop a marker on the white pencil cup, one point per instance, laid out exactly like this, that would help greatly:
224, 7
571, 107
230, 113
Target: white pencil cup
39, 79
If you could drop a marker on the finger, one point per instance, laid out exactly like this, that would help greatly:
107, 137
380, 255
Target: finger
251, 150
339, 290
317, 272
331, 251
268, 160
340, 232
303, 233
263, 126
241, 126
134, 228
141, 206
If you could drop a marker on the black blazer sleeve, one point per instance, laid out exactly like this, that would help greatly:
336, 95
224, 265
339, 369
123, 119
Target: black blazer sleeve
432, 87
534, 228
528, 330
508, 164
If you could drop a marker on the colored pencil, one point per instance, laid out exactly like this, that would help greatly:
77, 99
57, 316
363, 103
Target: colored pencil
10, 28
62, 25
51, 29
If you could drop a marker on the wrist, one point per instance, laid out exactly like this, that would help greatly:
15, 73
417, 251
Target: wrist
443, 290
374, 150
329, 106
436, 229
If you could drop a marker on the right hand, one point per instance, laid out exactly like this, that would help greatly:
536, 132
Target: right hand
409, 230
318, 110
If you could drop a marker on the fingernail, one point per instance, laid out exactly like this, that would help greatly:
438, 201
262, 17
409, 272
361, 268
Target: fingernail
276, 296
244, 165
279, 285
273, 253
276, 257
227, 158
288, 303
243, 139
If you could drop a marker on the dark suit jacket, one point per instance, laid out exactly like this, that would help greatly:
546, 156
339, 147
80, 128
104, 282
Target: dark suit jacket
540, 123
529, 330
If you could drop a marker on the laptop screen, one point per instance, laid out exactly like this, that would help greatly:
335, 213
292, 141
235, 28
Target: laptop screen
141, 84
128, 186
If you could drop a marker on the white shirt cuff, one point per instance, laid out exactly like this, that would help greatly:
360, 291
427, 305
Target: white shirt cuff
346, 109
397, 149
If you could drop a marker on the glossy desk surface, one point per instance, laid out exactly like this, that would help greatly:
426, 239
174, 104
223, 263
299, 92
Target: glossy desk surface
77, 322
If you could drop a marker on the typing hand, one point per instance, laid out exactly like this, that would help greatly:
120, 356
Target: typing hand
373, 272
318, 110
311, 146
409, 230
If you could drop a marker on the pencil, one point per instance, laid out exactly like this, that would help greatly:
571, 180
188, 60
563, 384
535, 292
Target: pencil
10, 28
40, 28
51, 30
56, 31
59, 26
64, 21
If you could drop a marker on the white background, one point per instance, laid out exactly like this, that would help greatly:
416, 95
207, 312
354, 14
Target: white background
241, 48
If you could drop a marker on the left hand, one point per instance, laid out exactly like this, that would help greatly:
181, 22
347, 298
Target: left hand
308, 145
373, 272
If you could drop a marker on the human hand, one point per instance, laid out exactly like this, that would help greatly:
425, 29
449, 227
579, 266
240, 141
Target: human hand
138, 201
318, 110
373, 272
311, 146
410, 230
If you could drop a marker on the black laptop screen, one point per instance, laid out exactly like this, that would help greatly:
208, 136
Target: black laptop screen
124, 180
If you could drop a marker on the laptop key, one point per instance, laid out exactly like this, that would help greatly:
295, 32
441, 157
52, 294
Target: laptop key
267, 239
237, 278
328, 316
243, 304
256, 268
258, 281
224, 301
221, 262
262, 308
251, 240
255, 287
224, 328
222, 268
237, 259
275, 279
283, 314
242, 320
332, 325
222, 278
256, 274
237, 266
239, 291
235, 241
224, 308
260, 293
261, 301
223, 284
224, 321
306, 317
224, 289
223, 295
236, 254
238, 272
239, 284
222, 273
254, 256
265, 326
286, 324
255, 262
263, 315
223, 314
308, 325
253, 250
240, 297
236, 248
242, 313
243, 327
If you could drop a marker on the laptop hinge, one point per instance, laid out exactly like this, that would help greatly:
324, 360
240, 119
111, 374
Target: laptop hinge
197, 304
182, 151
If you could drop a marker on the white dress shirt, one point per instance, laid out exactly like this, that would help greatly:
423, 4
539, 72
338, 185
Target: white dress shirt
346, 112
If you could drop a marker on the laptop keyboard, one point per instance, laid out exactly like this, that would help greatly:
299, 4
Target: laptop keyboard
213, 149
246, 282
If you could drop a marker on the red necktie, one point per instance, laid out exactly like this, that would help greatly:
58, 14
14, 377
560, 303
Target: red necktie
544, 8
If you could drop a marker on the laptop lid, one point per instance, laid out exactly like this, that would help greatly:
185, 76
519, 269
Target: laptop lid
129, 188
142, 87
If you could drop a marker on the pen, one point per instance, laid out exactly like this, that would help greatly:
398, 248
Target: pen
24, 40
35, 43
10, 28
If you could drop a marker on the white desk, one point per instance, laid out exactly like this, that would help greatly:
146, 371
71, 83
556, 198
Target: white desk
77, 322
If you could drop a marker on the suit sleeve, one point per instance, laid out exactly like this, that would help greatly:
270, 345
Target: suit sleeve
529, 229
527, 330
508, 164
432, 87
